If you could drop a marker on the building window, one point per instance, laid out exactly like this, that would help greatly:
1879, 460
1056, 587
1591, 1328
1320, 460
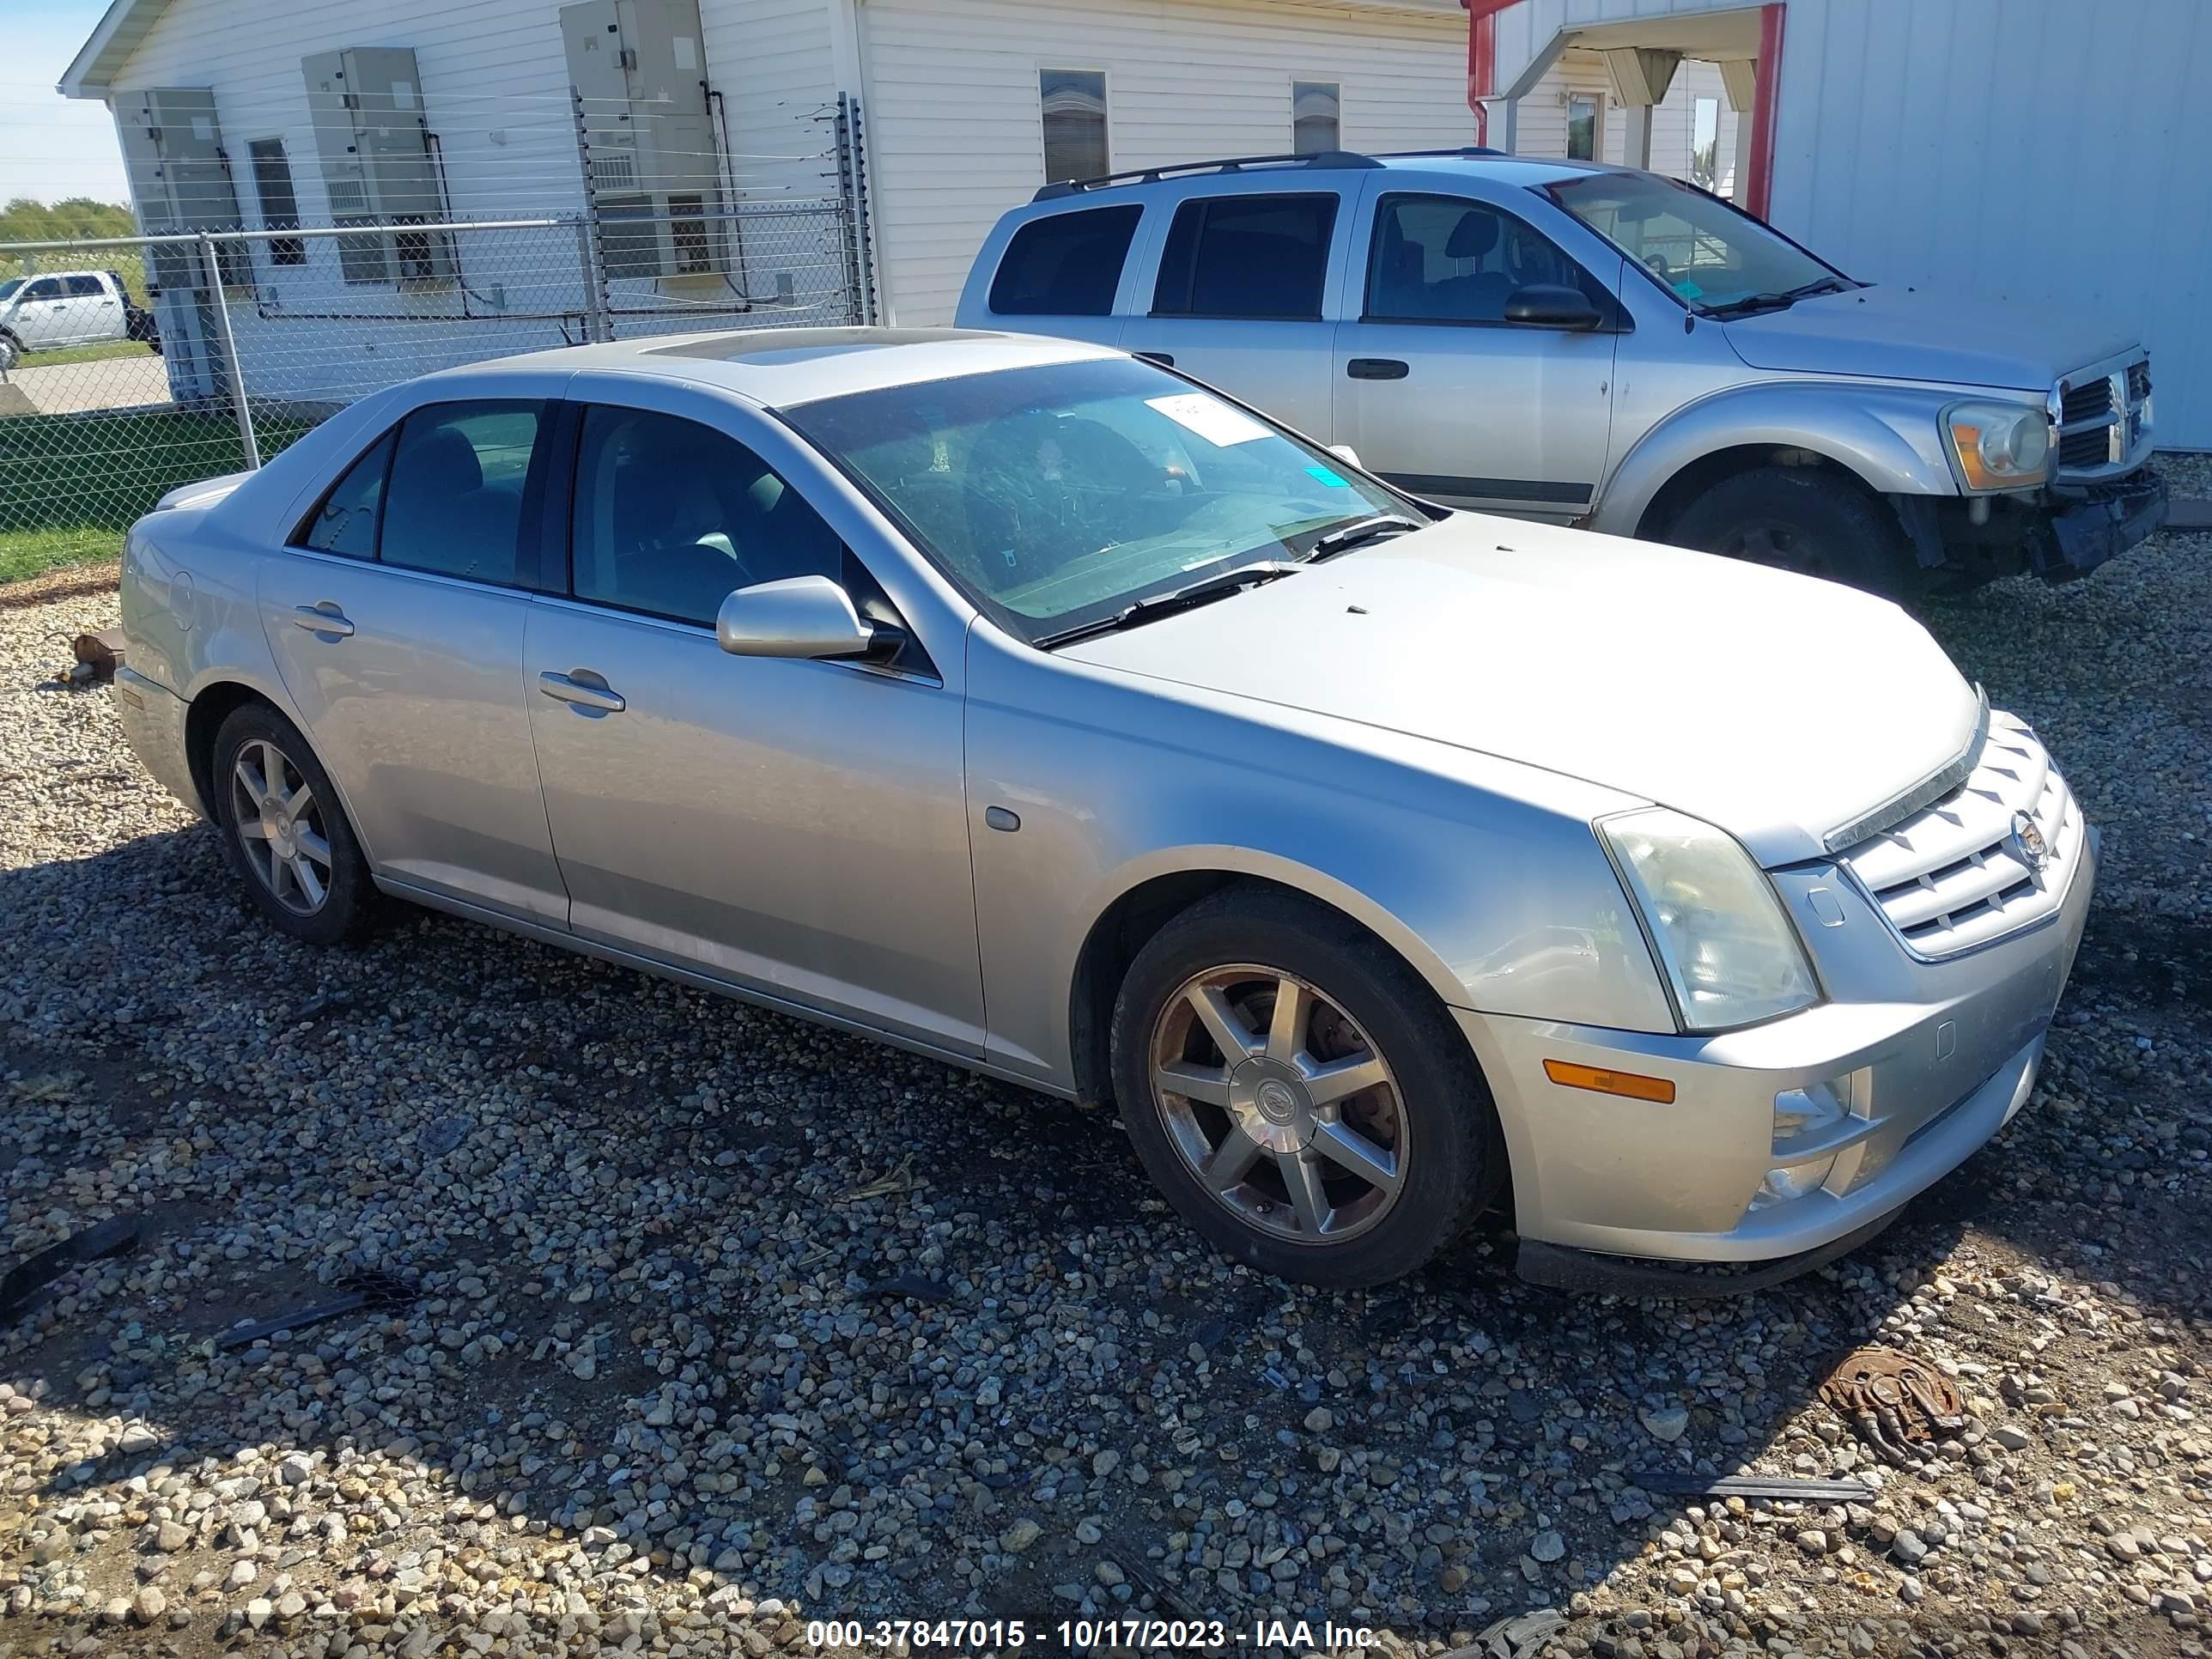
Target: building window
1317, 117
1074, 102
280, 206
1706, 144
1582, 126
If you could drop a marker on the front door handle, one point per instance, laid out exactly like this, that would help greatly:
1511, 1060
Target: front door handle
1378, 368
324, 619
1165, 359
584, 695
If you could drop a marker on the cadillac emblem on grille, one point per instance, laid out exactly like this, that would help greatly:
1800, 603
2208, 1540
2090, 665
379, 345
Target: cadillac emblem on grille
2028, 843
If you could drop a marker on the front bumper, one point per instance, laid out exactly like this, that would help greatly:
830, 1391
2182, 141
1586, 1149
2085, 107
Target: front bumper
153, 725
1933, 1057
2093, 523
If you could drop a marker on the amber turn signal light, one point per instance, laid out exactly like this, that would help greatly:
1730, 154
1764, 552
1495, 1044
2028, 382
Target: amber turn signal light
1632, 1085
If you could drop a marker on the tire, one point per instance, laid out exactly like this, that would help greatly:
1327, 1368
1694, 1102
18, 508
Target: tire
11, 352
1805, 519
334, 900
1429, 1117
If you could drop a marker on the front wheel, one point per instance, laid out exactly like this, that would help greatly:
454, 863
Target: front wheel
1805, 519
285, 833
1299, 1095
11, 352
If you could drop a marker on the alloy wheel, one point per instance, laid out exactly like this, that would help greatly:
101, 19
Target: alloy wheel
1280, 1104
280, 824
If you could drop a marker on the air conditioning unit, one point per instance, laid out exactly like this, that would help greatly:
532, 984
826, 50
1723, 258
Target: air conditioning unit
640, 77
180, 180
374, 142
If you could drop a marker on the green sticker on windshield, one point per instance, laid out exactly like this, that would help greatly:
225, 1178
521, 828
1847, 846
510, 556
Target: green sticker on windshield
1689, 290
1328, 477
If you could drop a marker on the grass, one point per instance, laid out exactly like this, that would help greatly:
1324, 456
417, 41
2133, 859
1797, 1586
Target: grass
87, 353
71, 484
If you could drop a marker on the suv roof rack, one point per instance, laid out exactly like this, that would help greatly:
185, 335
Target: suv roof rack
1321, 159
1459, 149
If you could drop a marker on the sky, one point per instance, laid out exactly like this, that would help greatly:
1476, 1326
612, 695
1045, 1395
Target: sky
50, 146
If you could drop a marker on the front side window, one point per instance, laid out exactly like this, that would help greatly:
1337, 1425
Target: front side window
46, 287
1074, 103
1068, 264
1709, 255
1057, 496
453, 502
1317, 117
1253, 256
1581, 127
671, 516
1450, 259
345, 521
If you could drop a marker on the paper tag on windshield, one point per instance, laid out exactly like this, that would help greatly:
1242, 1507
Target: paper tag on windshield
1218, 423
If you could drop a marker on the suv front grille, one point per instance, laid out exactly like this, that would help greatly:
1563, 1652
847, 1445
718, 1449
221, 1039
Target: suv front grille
1964, 871
2104, 419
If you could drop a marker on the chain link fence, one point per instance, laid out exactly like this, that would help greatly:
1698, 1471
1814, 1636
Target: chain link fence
130, 365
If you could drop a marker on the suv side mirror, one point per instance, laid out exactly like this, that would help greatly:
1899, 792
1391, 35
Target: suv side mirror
1551, 305
801, 617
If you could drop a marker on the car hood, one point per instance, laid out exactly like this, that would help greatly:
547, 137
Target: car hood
1897, 333
1774, 706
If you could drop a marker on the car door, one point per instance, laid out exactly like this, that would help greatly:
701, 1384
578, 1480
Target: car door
1438, 392
397, 617
95, 314
794, 828
42, 315
1245, 286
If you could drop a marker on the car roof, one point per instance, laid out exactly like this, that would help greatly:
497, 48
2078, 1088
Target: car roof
781, 368
1468, 161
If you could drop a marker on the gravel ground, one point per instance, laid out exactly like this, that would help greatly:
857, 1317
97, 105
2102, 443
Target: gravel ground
727, 1322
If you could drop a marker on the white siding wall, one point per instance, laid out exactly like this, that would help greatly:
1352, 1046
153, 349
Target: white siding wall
1542, 123
955, 126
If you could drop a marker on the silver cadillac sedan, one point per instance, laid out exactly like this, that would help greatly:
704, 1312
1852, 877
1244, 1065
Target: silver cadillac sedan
1032, 707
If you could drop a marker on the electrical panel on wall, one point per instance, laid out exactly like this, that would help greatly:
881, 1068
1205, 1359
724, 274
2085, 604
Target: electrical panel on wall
379, 167
639, 71
180, 176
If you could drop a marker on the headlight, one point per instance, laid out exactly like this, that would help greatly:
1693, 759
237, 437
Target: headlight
1998, 446
1728, 953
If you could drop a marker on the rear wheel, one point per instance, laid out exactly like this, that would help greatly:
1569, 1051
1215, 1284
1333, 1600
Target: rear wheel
285, 833
1299, 1095
1805, 519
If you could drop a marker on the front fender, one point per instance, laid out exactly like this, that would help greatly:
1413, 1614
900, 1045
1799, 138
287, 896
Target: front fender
1889, 436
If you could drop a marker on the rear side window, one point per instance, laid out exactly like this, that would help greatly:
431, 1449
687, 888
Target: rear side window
1068, 264
345, 523
1247, 256
452, 505
86, 286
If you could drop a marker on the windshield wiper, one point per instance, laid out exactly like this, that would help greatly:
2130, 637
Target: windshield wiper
1782, 302
1182, 598
1343, 540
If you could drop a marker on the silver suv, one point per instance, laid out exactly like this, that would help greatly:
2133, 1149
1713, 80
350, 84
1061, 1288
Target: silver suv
1607, 348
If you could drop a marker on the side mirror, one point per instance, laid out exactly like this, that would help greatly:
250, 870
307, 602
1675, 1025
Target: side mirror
1551, 305
801, 617
1347, 455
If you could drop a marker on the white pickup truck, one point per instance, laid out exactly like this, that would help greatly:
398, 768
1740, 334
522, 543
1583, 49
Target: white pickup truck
54, 309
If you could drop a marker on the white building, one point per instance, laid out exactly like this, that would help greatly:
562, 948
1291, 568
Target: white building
735, 101
2051, 153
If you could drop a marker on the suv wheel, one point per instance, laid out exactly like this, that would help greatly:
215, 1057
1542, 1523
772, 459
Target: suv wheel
1298, 1093
1801, 519
285, 833
11, 352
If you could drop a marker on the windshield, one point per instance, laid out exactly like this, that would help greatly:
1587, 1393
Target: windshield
1703, 252
8, 288
1059, 495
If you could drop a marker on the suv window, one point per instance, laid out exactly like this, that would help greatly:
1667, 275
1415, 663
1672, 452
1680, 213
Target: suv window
85, 285
1448, 260
453, 503
1068, 264
345, 521
671, 516
1247, 256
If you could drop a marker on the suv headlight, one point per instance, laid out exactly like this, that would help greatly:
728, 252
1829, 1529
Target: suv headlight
1998, 446
1728, 953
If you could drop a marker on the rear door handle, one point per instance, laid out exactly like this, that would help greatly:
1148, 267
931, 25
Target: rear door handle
324, 619
1378, 368
1165, 359
585, 696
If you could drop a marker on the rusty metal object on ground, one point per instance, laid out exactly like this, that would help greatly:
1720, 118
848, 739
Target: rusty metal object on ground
1894, 1401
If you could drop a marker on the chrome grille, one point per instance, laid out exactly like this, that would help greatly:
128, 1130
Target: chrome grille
1960, 873
2103, 412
